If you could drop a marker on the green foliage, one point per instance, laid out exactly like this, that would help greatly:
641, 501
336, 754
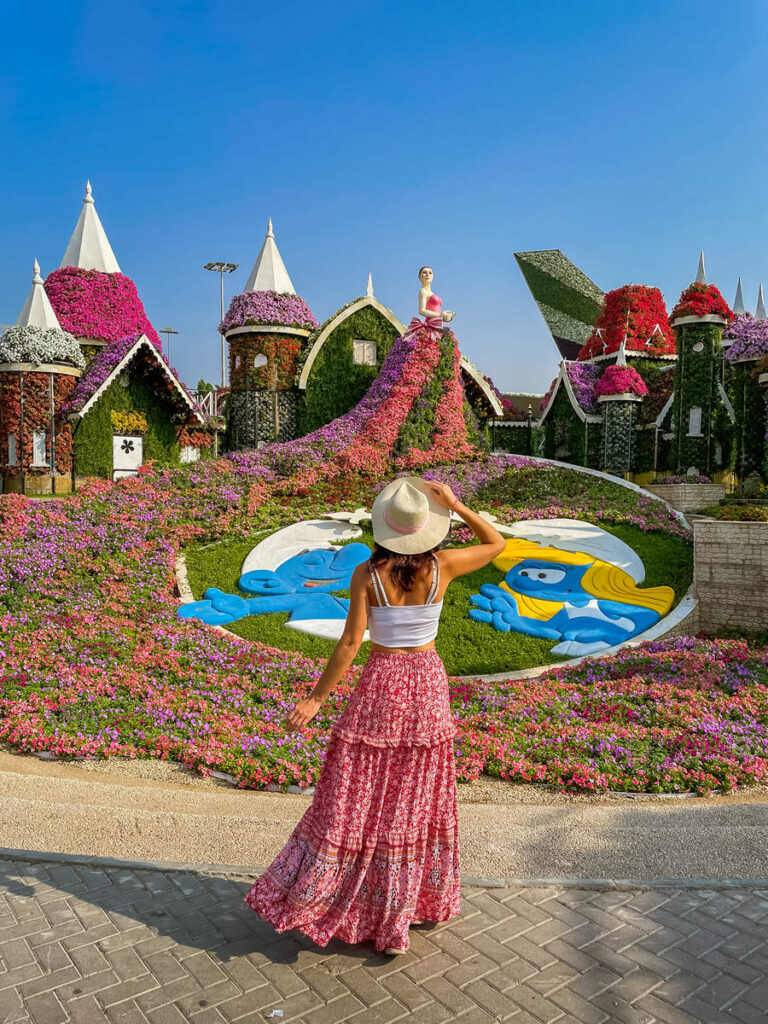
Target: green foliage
335, 382
92, 438
566, 433
749, 405
560, 287
695, 386
204, 387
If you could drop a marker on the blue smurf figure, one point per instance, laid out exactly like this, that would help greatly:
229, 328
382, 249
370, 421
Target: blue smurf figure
303, 585
586, 604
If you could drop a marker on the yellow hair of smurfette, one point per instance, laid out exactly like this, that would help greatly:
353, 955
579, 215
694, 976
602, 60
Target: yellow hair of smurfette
601, 580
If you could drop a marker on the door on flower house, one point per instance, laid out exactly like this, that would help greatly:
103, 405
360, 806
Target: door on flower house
127, 454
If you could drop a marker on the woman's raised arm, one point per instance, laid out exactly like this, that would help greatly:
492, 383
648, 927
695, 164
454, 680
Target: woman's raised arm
460, 561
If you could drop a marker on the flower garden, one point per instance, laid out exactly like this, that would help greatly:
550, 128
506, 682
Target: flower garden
96, 663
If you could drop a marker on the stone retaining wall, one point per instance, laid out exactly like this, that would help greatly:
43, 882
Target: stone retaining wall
688, 497
730, 574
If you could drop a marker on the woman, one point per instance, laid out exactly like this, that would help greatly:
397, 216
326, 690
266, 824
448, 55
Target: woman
377, 850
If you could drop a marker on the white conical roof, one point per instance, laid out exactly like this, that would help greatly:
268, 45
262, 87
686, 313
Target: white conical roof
89, 246
369, 288
269, 273
760, 313
38, 311
701, 275
738, 302
621, 358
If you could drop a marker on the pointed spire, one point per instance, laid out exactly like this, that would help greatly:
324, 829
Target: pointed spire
89, 246
269, 273
760, 313
621, 358
38, 311
738, 302
369, 288
701, 274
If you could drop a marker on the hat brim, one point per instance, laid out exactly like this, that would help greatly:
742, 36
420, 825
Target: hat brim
429, 536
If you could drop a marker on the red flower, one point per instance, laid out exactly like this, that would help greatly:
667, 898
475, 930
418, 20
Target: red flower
634, 311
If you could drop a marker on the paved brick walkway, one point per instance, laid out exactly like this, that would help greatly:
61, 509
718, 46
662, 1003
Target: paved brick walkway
91, 945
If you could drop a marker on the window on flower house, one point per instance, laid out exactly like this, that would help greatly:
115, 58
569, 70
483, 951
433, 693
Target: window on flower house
694, 422
364, 352
237, 362
12, 459
38, 448
260, 360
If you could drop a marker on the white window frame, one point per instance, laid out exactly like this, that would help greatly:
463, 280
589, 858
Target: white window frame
694, 421
39, 457
364, 352
13, 453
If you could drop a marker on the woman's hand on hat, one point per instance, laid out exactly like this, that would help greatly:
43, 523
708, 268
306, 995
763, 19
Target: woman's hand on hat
303, 713
441, 493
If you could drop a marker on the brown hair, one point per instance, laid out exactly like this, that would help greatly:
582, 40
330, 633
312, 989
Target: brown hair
425, 267
404, 570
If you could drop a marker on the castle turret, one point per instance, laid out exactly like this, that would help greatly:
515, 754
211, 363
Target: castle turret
698, 320
618, 392
39, 367
92, 299
266, 327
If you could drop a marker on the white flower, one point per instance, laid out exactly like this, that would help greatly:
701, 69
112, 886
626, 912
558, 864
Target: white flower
36, 345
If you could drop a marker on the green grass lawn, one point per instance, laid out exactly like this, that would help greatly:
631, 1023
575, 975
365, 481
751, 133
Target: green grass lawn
466, 647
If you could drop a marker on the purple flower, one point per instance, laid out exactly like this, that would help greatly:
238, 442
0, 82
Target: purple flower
751, 338
253, 308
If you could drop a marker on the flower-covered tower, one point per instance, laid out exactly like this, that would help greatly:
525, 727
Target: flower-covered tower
39, 367
266, 328
745, 343
702, 414
91, 298
618, 392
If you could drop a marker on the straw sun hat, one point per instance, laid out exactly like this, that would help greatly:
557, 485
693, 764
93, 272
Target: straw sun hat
407, 519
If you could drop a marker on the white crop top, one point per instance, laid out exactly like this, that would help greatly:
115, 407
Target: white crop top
409, 625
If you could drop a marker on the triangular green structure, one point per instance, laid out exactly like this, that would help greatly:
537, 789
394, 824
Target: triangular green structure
567, 299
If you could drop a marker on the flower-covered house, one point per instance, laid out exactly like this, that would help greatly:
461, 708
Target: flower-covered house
650, 395
85, 389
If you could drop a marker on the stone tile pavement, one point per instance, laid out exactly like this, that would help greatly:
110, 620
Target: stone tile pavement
96, 944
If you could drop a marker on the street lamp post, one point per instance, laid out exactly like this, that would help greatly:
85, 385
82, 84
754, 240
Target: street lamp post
222, 269
168, 331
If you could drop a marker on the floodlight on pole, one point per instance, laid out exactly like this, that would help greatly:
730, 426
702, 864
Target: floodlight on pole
222, 269
168, 331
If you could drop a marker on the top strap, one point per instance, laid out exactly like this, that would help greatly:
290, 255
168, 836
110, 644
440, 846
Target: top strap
435, 588
378, 587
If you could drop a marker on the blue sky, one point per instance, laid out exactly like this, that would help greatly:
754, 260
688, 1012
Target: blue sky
382, 136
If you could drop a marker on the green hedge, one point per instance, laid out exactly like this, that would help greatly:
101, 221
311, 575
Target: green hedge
335, 382
92, 440
555, 293
749, 405
564, 426
695, 384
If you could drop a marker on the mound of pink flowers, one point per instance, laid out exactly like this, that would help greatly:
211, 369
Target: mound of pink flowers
92, 304
621, 380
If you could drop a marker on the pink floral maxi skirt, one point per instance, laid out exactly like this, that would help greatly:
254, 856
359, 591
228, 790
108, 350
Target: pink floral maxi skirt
379, 844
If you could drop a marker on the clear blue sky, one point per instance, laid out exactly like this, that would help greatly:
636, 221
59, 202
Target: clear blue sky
384, 135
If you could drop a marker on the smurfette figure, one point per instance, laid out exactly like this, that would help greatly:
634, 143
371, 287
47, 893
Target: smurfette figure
584, 603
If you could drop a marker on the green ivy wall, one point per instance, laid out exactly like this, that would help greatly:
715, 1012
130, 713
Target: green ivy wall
92, 439
335, 382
